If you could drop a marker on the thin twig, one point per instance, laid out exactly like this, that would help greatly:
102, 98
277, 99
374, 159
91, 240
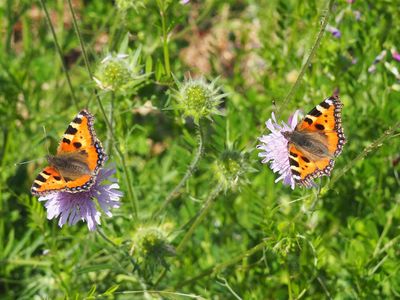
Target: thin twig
189, 172
61, 55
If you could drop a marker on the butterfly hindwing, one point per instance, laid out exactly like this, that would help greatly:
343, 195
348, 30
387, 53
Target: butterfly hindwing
304, 169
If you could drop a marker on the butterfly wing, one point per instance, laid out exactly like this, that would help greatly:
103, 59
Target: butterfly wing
304, 169
325, 120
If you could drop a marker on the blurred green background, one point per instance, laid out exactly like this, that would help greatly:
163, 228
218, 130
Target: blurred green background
343, 244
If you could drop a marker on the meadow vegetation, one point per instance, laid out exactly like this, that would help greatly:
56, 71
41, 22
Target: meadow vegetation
201, 217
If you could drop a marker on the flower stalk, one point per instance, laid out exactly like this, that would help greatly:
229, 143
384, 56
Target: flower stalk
199, 218
189, 172
314, 49
163, 11
61, 55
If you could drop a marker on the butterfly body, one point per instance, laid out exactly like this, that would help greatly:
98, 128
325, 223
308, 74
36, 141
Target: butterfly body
316, 141
77, 162
313, 144
70, 166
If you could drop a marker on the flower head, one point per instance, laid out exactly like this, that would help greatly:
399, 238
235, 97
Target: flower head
125, 5
334, 31
230, 168
198, 99
274, 148
118, 72
151, 247
73, 207
395, 55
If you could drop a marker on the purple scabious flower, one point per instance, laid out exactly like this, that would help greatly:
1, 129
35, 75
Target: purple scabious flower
72, 207
334, 31
396, 55
185, 2
274, 147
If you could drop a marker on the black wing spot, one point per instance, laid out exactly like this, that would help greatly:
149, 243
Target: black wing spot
320, 126
305, 159
325, 116
315, 112
71, 130
35, 185
41, 178
77, 120
46, 173
293, 154
294, 172
67, 179
77, 145
66, 141
293, 162
325, 105
57, 178
308, 120
326, 121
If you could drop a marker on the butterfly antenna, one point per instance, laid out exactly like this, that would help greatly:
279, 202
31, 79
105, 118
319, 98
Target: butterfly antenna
27, 161
275, 109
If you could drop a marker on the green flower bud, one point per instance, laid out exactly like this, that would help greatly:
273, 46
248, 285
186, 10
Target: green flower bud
230, 168
198, 99
125, 5
151, 247
119, 72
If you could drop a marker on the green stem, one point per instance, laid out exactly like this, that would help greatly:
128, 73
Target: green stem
207, 206
64, 66
221, 266
131, 193
109, 130
165, 39
189, 172
309, 58
129, 257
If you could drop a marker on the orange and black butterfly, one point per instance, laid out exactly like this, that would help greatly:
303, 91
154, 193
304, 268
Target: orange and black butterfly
316, 141
79, 158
